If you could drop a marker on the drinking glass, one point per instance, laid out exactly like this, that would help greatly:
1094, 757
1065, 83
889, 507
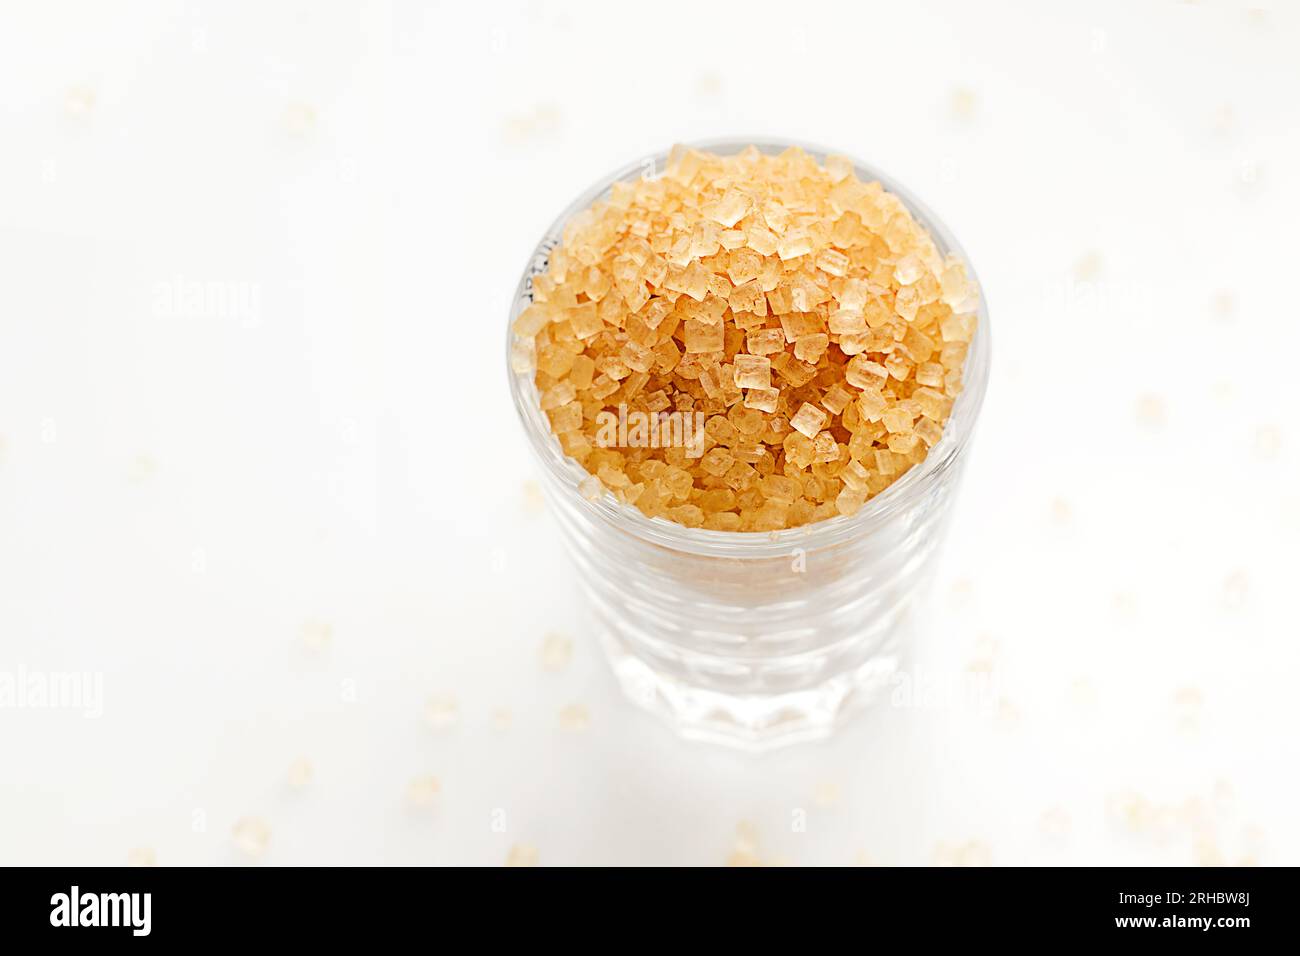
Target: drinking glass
756, 638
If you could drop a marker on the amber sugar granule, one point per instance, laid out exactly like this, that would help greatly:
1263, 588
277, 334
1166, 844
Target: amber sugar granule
801, 315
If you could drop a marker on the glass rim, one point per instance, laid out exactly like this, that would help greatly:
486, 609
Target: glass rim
753, 544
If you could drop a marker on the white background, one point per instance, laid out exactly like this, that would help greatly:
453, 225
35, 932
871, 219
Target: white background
185, 485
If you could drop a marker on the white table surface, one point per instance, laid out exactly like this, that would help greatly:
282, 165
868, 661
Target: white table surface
255, 261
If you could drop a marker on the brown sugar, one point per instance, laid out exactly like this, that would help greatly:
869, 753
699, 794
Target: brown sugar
747, 342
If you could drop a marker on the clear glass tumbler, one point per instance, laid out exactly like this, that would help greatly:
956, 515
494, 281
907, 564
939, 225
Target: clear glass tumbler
753, 638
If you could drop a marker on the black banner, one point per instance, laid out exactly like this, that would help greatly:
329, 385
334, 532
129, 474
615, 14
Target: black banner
336, 906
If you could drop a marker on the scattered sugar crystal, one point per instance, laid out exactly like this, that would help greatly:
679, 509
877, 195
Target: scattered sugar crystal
827, 793
1151, 411
317, 635
1268, 441
142, 856
808, 420
1235, 589
745, 849
441, 711
753, 371
739, 858
557, 651
574, 718
300, 773
421, 792
298, 118
534, 503
971, 853
523, 854
252, 835
1188, 702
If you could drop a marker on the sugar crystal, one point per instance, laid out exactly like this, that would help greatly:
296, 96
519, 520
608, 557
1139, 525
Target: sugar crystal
808, 420
810, 348
765, 341
763, 399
